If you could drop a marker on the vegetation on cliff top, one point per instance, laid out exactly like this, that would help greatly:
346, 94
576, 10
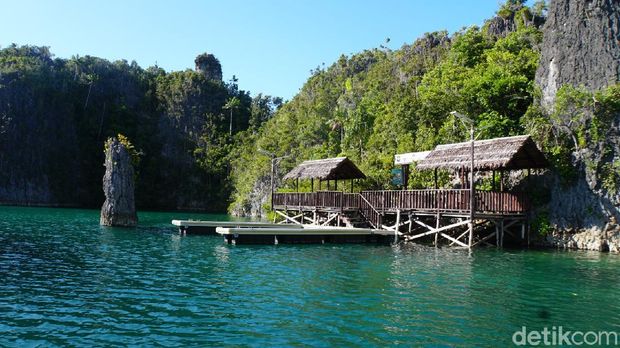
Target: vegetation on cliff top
55, 115
199, 136
379, 102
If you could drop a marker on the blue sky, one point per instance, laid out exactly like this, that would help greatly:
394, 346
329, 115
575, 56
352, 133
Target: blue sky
269, 45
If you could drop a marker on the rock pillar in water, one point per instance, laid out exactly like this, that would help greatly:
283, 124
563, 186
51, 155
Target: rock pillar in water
119, 208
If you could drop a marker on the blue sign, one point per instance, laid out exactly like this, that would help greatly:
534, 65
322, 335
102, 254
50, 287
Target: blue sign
397, 177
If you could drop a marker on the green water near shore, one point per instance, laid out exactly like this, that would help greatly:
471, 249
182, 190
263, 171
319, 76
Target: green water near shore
66, 281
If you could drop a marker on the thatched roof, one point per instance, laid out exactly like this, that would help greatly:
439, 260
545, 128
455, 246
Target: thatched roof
519, 152
338, 168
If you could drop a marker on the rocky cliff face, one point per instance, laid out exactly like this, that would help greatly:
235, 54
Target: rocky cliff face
253, 206
119, 208
55, 115
581, 46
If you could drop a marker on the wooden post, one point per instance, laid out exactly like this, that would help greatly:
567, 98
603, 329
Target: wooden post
311, 184
437, 227
496, 234
320, 181
501, 233
501, 180
336, 185
272, 187
493, 181
472, 191
436, 185
396, 228
297, 185
405, 169
327, 184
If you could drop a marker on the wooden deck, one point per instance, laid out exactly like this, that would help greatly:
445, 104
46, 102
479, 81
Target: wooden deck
432, 201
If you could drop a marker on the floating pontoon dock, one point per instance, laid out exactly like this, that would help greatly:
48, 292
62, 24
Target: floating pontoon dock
290, 234
208, 227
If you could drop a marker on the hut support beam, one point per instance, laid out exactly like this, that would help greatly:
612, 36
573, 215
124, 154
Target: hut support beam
460, 236
330, 218
290, 218
432, 230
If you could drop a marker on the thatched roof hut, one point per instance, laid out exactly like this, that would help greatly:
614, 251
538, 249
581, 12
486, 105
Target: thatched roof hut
339, 168
518, 152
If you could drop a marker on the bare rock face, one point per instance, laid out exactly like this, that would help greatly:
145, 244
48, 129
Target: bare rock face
581, 46
258, 197
119, 208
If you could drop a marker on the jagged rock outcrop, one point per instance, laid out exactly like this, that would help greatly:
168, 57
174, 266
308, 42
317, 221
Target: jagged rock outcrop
210, 66
119, 208
581, 46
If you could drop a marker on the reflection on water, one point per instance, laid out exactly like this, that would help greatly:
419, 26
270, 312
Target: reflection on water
67, 281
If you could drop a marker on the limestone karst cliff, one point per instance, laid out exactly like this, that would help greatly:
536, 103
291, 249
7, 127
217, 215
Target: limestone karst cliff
581, 46
580, 59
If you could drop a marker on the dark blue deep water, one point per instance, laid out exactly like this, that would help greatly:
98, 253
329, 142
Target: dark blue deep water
66, 281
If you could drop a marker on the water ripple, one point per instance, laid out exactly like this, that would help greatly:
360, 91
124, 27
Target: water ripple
65, 281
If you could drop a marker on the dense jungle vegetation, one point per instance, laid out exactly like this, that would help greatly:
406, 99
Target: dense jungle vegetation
199, 137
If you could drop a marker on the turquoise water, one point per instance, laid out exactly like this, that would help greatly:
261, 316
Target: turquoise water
65, 281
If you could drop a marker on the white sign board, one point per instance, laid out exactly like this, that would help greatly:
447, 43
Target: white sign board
411, 157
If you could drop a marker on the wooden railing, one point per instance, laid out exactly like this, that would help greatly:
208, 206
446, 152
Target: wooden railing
321, 199
351, 200
421, 200
448, 201
370, 213
424, 200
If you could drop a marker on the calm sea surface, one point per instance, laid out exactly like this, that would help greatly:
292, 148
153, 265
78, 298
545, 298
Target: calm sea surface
66, 281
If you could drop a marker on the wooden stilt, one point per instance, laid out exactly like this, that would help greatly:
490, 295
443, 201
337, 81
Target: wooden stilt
396, 228
496, 234
471, 234
437, 226
501, 233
